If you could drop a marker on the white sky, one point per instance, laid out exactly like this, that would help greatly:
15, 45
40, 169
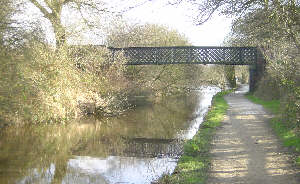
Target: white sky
212, 33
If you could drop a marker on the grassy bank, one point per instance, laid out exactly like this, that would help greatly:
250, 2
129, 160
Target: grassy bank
287, 134
194, 163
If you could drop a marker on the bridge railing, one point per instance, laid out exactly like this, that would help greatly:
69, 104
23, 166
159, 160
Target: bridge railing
189, 55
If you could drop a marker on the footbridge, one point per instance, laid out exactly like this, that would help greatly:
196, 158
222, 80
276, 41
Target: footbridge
196, 55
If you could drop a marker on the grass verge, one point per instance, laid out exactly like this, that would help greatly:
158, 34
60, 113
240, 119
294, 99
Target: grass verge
192, 167
286, 133
272, 105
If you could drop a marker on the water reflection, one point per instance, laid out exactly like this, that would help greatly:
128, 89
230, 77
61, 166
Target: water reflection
115, 169
135, 148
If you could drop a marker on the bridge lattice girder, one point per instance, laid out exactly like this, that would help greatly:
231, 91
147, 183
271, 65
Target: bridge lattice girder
188, 55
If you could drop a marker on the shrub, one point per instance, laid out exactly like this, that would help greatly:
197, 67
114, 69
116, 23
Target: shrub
46, 85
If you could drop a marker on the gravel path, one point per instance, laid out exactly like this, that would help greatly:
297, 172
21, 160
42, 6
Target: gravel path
245, 150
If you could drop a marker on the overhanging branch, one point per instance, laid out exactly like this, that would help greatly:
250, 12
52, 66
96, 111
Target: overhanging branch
41, 8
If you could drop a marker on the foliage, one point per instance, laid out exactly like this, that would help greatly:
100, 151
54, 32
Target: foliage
167, 79
123, 34
193, 165
274, 28
43, 84
160, 80
287, 135
230, 75
242, 74
40, 84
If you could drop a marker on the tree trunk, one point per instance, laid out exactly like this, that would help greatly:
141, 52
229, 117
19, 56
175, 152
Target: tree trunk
59, 31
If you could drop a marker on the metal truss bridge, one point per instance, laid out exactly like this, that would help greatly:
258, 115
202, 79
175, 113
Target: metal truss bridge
188, 55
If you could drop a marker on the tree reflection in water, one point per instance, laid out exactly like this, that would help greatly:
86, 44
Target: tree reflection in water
143, 141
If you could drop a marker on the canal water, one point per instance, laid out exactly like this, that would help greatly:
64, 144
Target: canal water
135, 148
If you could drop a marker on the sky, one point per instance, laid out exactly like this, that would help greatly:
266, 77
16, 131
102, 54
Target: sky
211, 33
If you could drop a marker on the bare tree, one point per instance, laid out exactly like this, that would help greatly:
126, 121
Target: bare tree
237, 8
52, 10
205, 9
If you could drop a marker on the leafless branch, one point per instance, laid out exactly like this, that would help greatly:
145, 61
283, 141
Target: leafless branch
41, 8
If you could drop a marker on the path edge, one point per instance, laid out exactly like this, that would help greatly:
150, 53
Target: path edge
194, 164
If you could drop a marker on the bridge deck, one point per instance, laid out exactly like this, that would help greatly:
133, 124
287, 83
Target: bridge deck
188, 55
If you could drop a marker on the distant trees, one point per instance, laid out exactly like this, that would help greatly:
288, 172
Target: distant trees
142, 35
161, 80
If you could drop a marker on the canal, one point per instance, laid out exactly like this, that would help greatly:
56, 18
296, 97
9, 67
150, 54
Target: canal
137, 148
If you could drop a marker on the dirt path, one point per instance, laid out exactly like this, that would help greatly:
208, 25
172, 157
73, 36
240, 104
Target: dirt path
245, 150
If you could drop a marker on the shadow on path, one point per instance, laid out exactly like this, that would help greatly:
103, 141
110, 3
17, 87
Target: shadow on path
245, 151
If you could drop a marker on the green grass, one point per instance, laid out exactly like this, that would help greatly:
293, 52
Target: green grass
272, 105
194, 164
288, 137
286, 133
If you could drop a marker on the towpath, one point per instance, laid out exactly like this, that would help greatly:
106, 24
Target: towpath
246, 151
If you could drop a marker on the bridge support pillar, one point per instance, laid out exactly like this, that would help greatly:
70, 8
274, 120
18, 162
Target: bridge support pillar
256, 71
